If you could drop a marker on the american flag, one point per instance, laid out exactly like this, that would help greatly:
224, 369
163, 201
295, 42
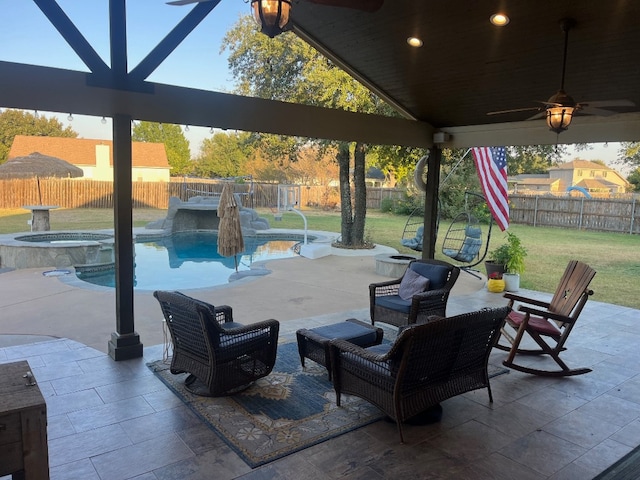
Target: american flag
491, 163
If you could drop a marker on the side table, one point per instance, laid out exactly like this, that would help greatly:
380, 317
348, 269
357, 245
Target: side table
23, 424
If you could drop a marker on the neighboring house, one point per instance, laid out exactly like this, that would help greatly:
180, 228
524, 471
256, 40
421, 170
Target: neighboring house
375, 177
591, 176
95, 157
536, 184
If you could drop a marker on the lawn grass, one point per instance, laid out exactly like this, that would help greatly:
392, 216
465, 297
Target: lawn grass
615, 256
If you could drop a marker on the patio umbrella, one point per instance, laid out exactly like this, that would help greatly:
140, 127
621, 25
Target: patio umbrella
230, 240
38, 165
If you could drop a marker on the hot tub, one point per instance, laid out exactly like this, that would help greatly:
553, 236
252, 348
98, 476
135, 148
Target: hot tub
55, 249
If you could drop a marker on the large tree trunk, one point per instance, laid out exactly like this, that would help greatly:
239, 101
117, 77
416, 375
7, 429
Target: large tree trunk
343, 158
360, 194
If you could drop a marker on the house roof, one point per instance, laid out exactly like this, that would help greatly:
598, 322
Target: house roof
577, 163
591, 183
82, 151
537, 181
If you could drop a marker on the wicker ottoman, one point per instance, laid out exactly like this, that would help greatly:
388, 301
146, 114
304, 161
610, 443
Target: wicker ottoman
313, 343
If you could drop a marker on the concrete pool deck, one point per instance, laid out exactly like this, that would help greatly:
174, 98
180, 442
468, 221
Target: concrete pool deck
34, 304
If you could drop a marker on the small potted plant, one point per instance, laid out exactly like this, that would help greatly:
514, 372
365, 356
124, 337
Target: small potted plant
511, 255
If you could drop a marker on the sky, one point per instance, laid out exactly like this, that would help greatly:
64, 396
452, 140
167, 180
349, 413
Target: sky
27, 36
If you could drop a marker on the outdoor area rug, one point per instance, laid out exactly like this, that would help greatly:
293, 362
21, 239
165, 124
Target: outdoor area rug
287, 411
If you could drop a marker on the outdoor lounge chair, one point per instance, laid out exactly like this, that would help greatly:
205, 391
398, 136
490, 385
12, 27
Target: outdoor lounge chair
221, 356
427, 364
552, 321
411, 299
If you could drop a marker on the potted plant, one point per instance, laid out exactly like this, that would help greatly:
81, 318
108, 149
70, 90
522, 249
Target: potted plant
510, 255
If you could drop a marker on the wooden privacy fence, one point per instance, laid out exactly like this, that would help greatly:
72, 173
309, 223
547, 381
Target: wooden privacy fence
610, 215
86, 193
601, 214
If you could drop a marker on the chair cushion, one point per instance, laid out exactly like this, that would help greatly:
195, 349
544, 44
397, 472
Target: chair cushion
229, 325
360, 335
473, 232
394, 302
540, 325
232, 346
437, 274
412, 282
471, 246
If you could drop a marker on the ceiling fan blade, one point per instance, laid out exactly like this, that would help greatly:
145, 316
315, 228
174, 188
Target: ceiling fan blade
608, 103
538, 115
601, 112
364, 5
514, 110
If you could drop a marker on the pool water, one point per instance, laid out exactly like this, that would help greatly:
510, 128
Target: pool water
189, 260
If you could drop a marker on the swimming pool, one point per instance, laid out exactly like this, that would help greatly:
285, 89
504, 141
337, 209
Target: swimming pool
187, 260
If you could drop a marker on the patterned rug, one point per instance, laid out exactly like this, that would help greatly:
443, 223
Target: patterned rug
287, 411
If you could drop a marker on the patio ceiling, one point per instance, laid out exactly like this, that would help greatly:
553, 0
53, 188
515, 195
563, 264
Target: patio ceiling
466, 68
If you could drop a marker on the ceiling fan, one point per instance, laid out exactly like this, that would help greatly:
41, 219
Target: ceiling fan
364, 5
561, 107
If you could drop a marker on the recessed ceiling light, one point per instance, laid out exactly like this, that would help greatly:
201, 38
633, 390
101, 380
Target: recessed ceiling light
414, 41
499, 19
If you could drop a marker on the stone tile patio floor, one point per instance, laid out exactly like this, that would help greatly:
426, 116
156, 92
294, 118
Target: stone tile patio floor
114, 420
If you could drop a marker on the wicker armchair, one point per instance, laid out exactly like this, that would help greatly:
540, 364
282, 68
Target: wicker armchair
221, 356
427, 364
387, 306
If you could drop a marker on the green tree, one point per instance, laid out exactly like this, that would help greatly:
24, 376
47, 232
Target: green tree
286, 68
534, 158
634, 179
223, 155
175, 143
19, 122
629, 153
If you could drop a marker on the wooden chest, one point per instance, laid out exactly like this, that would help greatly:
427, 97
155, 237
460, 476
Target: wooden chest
23, 424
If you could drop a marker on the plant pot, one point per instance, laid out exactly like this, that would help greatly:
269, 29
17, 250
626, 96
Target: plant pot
511, 282
495, 285
493, 268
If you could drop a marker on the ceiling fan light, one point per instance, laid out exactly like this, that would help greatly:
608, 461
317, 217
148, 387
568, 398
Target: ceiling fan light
271, 15
559, 117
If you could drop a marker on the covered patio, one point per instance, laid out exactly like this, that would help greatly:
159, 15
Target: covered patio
116, 420
537, 428
444, 90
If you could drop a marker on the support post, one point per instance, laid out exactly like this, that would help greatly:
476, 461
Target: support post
125, 342
431, 203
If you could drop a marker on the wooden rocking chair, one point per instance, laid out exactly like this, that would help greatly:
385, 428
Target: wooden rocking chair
550, 324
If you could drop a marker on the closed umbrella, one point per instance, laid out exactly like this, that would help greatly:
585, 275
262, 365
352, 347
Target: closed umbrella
230, 240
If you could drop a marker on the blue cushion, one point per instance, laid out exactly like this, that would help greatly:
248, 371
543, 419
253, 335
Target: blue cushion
231, 345
352, 332
394, 302
381, 349
437, 274
228, 325
469, 250
473, 232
